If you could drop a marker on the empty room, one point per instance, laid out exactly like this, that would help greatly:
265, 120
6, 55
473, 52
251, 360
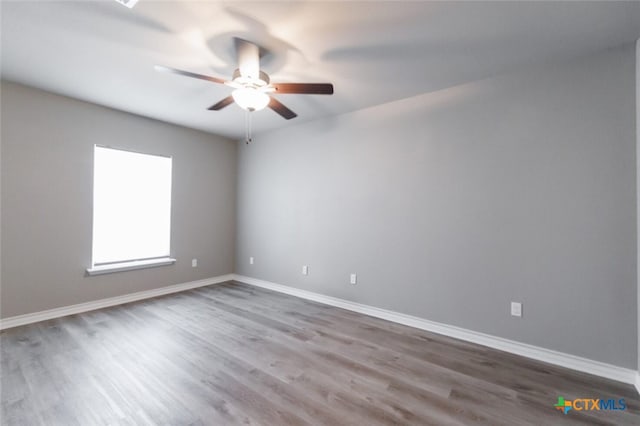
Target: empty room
319, 213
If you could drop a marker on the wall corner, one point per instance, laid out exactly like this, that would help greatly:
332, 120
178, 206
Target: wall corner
637, 107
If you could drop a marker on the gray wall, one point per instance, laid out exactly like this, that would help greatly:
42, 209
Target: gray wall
452, 204
638, 184
47, 172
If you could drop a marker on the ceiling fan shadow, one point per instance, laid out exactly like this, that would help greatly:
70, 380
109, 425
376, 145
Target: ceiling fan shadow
274, 52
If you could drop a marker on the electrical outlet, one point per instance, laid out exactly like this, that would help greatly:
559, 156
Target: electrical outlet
353, 279
194, 263
516, 309
305, 270
251, 260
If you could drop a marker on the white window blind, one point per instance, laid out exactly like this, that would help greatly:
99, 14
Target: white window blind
131, 206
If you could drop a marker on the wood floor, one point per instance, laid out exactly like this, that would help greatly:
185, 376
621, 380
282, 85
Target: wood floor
233, 354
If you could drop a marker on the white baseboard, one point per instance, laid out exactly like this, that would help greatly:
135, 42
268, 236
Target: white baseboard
535, 352
111, 301
541, 354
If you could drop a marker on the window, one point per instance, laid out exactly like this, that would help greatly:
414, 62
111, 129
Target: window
131, 210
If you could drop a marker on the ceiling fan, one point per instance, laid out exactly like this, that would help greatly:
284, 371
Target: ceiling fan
253, 88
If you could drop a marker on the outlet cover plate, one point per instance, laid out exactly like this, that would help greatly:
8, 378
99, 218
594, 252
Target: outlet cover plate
516, 309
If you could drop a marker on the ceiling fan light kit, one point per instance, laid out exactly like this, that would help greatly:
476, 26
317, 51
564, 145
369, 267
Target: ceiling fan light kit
250, 99
250, 93
253, 86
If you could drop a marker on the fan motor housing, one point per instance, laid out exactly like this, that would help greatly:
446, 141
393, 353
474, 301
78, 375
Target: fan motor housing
261, 81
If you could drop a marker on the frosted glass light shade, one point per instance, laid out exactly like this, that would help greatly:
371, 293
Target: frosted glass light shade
250, 99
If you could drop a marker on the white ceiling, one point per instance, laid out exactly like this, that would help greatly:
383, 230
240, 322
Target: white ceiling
373, 52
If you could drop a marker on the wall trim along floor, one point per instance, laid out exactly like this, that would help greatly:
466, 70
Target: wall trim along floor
573, 362
105, 303
597, 368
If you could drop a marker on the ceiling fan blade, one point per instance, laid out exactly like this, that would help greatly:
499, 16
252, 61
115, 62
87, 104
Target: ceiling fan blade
304, 88
248, 58
278, 107
222, 104
189, 74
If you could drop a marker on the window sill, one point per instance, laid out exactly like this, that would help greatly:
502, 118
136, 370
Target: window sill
130, 266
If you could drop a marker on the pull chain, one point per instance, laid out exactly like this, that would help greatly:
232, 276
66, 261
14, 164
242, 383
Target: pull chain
247, 138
